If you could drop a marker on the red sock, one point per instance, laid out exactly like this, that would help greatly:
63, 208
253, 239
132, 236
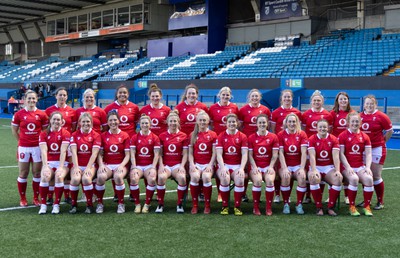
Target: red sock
237, 195
88, 190
74, 191
286, 190
368, 191
181, 193
135, 193
256, 192
346, 191
194, 191
149, 193
317, 195
160, 194
300, 192
379, 186
120, 189
224, 190
201, 187
207, 190
352, 194
334, 192
43, 190
58, 191
100, 189
22, 183
277, 186
35, 187
269, 196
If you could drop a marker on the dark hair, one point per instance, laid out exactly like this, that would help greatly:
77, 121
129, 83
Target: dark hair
336, 105
190, 86
60, 89
51, 116
153, 88
118, 88
112, 112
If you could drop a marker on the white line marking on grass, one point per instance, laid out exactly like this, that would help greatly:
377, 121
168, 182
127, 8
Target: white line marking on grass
8, 167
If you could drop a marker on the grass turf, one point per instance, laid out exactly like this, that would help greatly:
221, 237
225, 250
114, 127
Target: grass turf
25, 234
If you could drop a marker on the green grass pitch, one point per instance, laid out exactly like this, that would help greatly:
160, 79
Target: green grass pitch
23, 233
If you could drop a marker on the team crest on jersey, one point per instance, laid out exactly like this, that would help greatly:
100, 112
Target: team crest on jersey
148, 113
237, 140
349, 139
178, 138
248, 111
130, 110
286, 139
139, 141
218, 111
360, 138
374, 118
297, 138
161, 113
167, 139
184, 109
317, 143
94, 113
79, 138
226, 140
230, 110
48, 137
208, 137
107, 139
66, 113
37, 117
150, 141
329, 144
256, 141
90, 138
268, 141
120, 140
281, 114
58, 137
24, 117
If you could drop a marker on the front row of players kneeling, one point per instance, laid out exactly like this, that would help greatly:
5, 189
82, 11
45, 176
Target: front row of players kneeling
230, 156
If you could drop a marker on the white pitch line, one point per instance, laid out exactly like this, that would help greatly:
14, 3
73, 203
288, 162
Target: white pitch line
8, 167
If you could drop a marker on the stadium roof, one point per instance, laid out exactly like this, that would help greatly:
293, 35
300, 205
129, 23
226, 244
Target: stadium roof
14, 12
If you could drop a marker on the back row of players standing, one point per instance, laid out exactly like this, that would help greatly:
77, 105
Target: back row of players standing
374, 122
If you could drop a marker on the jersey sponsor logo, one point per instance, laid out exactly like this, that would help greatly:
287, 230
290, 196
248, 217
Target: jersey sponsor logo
113, 148
231, 149
355, 148
324, 154
54, 146
154, 122
262, 150
365, 126
31, 127
84, 148
144, 151
172, 147
342, 122
202, 146
314, 124
253, 119
223, 119
292, 148
124, 119
190, 117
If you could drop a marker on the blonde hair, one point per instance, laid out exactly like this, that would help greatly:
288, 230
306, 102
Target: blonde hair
196, 129
175, 113
87, 91
283, 92
190, 86
251, 92
349, 115
225, 88
317, 93
86, 115
371, 97
298, 126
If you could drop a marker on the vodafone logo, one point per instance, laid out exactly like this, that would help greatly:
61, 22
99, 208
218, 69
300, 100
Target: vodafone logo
84, 148
31, 127
113, 148
253, 119
365, 126
144, 151
154, 121
202, 146
223, 119
355, 148
190, 117
342, 122
292, 148
314, 124
172, 148
262, 150
124, 119
323, 154
231, 149
54, 147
